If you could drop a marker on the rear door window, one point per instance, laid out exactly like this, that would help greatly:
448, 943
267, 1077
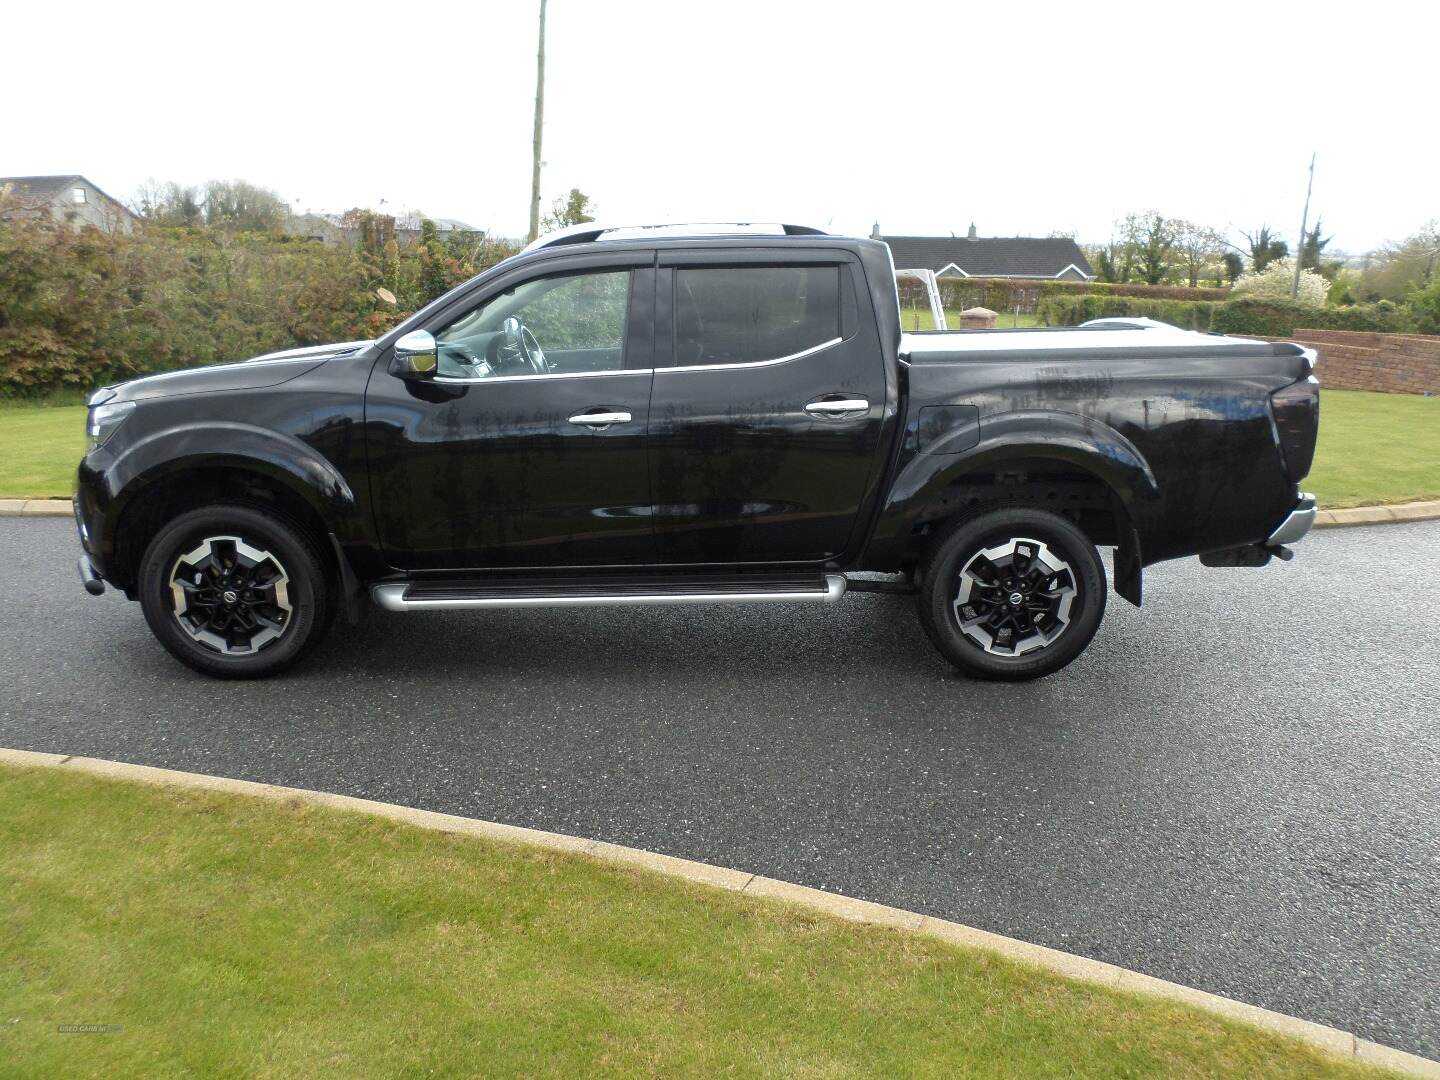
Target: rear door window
751, 314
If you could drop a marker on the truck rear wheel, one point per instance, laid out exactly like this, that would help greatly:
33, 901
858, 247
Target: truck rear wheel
1012, 594
235, 591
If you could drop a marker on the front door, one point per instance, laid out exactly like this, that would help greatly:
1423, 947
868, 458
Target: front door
528, 447
766, 414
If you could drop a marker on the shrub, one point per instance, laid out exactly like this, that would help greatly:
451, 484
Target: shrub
78, 309
1278, 278
1425, 308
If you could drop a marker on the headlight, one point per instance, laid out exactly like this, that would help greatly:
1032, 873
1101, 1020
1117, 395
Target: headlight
104, 419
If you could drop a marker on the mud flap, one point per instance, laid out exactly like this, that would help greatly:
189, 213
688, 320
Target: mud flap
1128, 569
349, 588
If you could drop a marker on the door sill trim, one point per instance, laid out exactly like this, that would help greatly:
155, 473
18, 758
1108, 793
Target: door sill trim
392, 597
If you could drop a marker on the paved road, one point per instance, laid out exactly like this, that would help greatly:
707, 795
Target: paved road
1237, 788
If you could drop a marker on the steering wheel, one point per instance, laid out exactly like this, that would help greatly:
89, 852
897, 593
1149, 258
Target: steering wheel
518, 341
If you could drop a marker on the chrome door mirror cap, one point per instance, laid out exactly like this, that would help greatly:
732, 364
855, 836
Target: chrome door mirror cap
416, 356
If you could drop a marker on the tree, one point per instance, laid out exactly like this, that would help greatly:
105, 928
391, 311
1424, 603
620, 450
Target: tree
1105, 262
1313, 248
434, 263
1105, 259
1265, 248
1234, 265
1425, 303
1153, 240
168, 204
1397, 270
1197, 246
573, 209
244, 207
1124, 251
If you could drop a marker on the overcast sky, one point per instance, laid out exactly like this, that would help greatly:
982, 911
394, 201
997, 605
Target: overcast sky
1026, 118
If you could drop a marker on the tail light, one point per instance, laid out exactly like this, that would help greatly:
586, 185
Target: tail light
1296, 409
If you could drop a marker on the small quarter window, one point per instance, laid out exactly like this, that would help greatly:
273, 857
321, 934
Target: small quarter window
746, 314
77, 195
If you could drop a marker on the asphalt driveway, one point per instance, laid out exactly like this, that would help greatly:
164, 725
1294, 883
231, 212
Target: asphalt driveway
1237, 788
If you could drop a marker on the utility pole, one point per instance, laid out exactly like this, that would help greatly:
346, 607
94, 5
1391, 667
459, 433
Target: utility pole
1304, 224
539, 128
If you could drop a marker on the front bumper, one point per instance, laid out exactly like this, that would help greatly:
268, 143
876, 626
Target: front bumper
1296, 524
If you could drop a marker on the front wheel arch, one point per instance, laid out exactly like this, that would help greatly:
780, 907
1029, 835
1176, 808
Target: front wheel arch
166, 497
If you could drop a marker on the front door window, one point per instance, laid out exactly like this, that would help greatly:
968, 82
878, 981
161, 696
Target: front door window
559, 325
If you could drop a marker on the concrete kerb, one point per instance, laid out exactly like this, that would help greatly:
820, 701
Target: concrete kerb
35, 508
1327, 1040
1325, 519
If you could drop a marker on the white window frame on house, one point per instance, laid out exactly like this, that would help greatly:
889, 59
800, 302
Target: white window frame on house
77, 196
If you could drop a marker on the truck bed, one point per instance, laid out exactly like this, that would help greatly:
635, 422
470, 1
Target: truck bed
1126, 335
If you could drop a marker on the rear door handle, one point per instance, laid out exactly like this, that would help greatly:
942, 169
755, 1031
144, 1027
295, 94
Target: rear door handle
838, 406
601, 417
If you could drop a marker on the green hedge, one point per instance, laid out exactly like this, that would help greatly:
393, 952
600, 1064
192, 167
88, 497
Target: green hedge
1005, 294
1276, 318
78, 309
1147, 292
1269, 318
1074, 310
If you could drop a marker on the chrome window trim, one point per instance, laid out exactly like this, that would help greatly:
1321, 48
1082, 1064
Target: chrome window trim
452, 380
755, 363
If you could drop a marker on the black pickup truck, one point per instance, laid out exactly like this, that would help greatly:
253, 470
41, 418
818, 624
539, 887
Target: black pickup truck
688, 415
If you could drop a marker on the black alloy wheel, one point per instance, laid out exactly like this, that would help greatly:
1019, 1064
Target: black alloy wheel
1012, 593
236, 591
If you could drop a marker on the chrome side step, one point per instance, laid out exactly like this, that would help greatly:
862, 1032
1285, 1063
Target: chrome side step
404, 596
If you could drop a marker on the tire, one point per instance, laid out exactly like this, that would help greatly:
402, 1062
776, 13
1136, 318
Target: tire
1037, 610
282, 602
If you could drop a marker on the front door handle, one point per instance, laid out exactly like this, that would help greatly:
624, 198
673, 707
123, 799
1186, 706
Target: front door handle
838, 406
599, 418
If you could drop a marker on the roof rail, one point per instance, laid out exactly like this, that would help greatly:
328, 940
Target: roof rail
590, 231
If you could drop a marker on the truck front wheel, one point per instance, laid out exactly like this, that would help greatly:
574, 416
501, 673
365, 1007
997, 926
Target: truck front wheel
235, 591
1012, 594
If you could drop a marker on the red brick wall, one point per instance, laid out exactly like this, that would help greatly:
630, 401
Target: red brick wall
1359, 360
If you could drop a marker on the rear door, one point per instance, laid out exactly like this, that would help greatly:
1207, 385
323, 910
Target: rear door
767, 406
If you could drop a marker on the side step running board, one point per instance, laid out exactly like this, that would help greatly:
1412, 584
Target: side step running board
405, 596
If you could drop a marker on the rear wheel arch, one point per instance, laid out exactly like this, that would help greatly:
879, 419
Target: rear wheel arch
1074, 488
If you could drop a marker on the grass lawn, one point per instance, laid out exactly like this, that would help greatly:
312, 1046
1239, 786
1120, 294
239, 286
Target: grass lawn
40, 447
234, 936
1374, 448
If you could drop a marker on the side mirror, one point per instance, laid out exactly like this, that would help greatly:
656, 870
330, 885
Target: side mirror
416, 356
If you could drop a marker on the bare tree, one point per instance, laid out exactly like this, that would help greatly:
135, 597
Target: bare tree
1197, 246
